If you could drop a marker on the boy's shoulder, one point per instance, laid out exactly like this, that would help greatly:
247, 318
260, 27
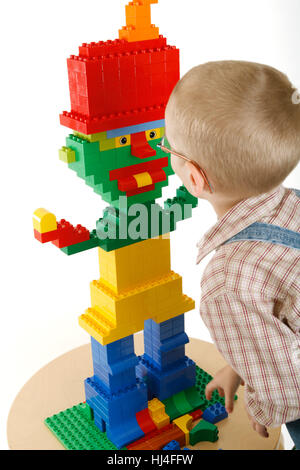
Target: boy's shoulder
252, 267
256, 269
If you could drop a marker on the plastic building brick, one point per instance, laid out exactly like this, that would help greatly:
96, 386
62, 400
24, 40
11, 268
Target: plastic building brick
181, 403
215, 413
197, 414
67, 155
75, 429
61, 234
171, 410
204, 431
140, 147
45, 226
147, 126
158, 414
181, 400
176, 378
185, 424
93, 242
145, 421
124, 314
164, 360
68, 235
173, 445
116, 413
159, 441
167, 223
194, 398
142, 84
147, 437
138, 22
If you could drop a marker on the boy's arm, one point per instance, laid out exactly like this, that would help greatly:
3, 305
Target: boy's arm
226, 381
258, 346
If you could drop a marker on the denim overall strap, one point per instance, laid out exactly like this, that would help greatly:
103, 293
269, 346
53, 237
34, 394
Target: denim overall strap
269, 233
297, 191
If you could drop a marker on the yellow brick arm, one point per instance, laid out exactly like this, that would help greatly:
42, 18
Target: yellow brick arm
44, 221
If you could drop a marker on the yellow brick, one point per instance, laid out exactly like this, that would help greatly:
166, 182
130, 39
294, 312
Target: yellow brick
157, 412
130, 292
143, 179
99, 137
107, 144
155, 406
67, 155
161, 420
44, 221
144, 301
162, 132
122, 269
185, 423
157, 132
118, 143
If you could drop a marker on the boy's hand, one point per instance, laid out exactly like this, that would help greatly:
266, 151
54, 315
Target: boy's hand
226, 381
262, 430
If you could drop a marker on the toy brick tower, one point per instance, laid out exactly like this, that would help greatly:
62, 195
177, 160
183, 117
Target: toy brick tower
119, 90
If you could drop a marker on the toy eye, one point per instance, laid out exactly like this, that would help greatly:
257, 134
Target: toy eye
152, 134
123, 140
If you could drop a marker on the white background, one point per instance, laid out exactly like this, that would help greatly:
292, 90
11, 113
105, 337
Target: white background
44, 291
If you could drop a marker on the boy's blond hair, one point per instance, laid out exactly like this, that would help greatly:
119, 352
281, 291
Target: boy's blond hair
239, 121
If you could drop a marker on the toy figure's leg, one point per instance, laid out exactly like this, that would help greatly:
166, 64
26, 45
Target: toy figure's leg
168, 369
114, 393
136, 284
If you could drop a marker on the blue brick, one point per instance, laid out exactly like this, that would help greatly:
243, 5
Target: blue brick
215, 413
135, 129
173, 445
165, 342
117, 412
114, 364
164, 384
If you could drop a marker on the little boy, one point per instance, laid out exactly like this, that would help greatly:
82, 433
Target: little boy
237, 127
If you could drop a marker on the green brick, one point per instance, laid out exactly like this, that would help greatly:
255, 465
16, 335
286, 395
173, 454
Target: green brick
204, 432
202, 379
194, 398
75, 430
170, 409
181, 403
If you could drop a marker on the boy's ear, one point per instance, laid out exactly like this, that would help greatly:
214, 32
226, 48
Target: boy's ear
196, 181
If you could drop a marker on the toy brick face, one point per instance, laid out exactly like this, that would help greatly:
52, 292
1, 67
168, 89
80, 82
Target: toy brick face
126, 165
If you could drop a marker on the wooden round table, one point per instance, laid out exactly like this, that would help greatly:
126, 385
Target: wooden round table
59, 385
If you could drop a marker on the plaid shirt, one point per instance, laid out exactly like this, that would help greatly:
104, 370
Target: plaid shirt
251, 305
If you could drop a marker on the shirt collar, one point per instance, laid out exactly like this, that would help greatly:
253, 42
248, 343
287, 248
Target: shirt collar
239, 217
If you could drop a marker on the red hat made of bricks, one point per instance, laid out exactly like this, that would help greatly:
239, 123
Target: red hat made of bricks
123, 82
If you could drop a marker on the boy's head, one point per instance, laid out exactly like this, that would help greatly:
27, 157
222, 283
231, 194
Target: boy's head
238, 121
